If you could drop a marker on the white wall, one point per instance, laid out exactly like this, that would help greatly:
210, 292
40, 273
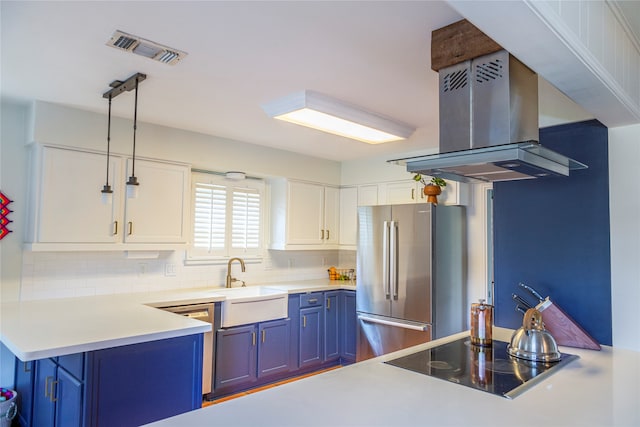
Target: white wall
624, 206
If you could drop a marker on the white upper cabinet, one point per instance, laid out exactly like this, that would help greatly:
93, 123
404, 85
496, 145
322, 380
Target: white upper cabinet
410, 191
67, 212
70, 208
157, 215
368, 195
348, 217
304, 215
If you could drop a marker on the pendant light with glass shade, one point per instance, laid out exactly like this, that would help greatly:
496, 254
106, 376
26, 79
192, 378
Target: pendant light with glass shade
118, 87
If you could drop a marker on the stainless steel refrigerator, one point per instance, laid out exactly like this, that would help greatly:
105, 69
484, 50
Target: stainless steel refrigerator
411, 276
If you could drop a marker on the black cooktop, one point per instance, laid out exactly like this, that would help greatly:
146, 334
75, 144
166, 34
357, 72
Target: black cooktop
490, 369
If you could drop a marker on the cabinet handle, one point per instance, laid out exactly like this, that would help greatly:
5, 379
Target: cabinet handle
46, 386
327, 234
413, 194
130, 223
52, 395
304, 321
329, 304
25, 367
115, 228
322, 235
264, 335
313, 301
253, 338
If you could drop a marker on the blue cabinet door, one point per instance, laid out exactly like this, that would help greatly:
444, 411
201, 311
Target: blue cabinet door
310, 336
136, 384
273, 349
24, 380
236, 352
43, 404
349, 322
67, 393
331, 326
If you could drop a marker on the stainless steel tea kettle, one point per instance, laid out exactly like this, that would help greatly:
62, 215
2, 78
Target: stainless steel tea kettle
532, 342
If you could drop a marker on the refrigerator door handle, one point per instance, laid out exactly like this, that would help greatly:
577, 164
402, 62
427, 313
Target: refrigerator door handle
393, 258
386, 288
405, 324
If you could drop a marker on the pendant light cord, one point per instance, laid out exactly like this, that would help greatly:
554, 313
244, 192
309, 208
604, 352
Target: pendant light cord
135, 121
108, 138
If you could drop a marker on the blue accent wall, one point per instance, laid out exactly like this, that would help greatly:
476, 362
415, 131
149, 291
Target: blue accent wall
553, 234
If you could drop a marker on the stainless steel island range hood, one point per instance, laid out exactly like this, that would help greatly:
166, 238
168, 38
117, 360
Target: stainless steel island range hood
489, 124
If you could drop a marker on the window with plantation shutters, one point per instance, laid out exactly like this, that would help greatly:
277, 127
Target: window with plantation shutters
227, 217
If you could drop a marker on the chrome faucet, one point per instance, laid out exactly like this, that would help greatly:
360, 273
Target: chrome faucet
233, 279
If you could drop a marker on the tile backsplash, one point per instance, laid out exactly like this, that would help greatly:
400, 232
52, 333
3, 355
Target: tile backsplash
74, 274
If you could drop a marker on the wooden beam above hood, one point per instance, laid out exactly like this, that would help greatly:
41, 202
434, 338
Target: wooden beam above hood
459, 42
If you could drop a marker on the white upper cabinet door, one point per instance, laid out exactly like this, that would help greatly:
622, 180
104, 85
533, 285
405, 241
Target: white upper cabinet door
349, 216
305, 214
69, 203
401, 192
331, 227
159, 213
368, 195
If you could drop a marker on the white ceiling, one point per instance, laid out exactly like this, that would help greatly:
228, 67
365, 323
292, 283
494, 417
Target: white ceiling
241, 54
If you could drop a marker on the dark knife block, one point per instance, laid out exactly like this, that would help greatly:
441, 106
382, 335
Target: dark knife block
563, 328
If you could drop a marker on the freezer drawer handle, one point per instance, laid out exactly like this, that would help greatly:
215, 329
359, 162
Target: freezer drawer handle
413, 326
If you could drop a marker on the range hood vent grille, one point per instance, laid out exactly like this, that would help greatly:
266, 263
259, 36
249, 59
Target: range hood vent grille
148, 49
455, 80
488, 71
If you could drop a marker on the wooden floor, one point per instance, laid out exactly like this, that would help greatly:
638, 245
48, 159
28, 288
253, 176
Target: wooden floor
265, 387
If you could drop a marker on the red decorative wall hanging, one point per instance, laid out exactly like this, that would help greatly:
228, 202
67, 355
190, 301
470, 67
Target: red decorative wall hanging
4, 213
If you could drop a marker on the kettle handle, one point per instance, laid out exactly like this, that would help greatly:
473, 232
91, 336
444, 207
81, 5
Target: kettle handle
532, 320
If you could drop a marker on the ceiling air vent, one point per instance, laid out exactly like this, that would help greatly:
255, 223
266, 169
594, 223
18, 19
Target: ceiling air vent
146, 48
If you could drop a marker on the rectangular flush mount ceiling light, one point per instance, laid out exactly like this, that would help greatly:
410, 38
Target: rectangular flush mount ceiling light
321, 112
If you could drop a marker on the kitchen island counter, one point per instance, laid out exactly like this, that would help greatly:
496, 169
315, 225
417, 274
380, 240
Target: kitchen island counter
601, 388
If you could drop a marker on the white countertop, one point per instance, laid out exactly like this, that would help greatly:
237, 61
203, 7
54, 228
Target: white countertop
55, 327
602, 388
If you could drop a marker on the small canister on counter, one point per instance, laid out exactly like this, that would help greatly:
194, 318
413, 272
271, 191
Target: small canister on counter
481, 323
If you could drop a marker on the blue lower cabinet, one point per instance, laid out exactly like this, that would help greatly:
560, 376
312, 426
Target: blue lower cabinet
68, 393
349, 322
310, 333
137, 384
44, 406
120, 386
247, 353
58, 396
273, 349
331, 326
24, 380
236, 354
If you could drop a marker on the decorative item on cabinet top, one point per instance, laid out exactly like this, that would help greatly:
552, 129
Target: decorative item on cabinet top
433, 188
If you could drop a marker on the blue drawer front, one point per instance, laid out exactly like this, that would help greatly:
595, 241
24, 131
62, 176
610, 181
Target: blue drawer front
311, 300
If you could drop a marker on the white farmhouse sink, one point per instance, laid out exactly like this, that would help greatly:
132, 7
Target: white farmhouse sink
252, 304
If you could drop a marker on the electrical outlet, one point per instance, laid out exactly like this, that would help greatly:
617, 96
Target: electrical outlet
170, 270
142, 268
324, 261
